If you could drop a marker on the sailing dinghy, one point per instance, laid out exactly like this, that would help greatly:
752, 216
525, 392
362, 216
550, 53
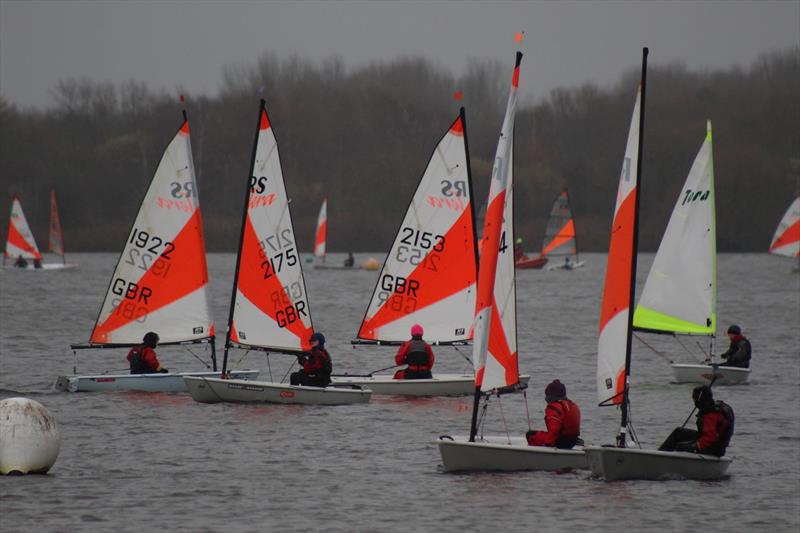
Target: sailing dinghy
786, 241
320, 242
494, 351
20, 241
559, 239
614, 340
160, 281
269, 306
680, 295
430, 273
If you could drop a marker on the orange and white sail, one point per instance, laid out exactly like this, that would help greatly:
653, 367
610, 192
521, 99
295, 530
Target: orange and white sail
786, 241
430, 273
159, 283
322, 230
614, 336
270, 306
20, 241
55, 238
559, 234
494, 353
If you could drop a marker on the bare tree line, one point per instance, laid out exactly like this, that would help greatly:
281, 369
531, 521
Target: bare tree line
363, 137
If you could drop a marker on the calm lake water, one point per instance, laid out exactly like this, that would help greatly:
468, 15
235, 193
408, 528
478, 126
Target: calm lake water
150, 462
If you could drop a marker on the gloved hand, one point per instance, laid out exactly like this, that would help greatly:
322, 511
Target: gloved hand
163, 370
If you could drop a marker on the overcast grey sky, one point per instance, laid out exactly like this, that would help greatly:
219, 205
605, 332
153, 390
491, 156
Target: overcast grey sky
186, 43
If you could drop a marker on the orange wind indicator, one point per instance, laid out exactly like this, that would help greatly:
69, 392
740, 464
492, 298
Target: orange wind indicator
519, 36
458, 95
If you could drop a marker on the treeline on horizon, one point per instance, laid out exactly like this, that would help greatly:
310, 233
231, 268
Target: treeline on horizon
363, 136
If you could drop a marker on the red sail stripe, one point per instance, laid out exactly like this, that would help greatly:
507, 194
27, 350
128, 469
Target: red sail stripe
564, 235
490, 243
455, 272
17, 239
499, 349
260, 291
791, 235
264, 124
617, 291
320, 239
187, 273
457, 128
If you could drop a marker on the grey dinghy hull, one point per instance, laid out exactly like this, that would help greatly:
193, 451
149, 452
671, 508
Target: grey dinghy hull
496, 454
213, 390
138, 382
703, 374
630, 463
439, 385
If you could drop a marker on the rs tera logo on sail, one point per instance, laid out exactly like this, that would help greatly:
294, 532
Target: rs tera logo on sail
257, 188
691, 196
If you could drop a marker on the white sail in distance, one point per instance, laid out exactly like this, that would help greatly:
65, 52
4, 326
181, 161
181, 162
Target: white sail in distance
19, 240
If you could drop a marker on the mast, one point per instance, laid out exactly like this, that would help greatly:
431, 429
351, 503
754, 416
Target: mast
625, 399
248, 189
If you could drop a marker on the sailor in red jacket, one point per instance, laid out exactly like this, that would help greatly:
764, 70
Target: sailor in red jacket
417, 354
143, 359
715, 421
562, 418
317, 365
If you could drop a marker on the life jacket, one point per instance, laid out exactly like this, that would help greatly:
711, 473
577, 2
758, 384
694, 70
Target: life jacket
724, 420
138, 365
327, 363
570, 416
417, 355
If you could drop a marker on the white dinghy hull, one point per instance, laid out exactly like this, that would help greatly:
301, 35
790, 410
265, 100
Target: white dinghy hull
214, 390
562, 266
613, 464
137, 382
439, 385
497, 454
703, 374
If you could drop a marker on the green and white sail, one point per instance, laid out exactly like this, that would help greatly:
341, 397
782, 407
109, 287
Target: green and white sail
680, 295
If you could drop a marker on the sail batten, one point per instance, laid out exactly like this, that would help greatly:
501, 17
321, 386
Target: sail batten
679, 295
430, 273
160, 280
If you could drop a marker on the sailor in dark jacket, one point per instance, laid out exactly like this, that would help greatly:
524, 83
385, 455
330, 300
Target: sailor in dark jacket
715, 422
740, 351
317, 365
143, 358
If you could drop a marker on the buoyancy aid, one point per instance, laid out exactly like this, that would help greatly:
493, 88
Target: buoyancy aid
139, 358
716, 429
563, 421
417, 355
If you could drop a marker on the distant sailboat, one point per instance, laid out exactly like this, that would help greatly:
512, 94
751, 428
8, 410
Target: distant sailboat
786, 241
160, 280
320, 242
680, 294
560, 239
494, 352
19, 239
430, 273
269, 308
614, 339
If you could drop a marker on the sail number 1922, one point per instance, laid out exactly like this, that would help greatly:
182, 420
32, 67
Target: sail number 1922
152, 243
